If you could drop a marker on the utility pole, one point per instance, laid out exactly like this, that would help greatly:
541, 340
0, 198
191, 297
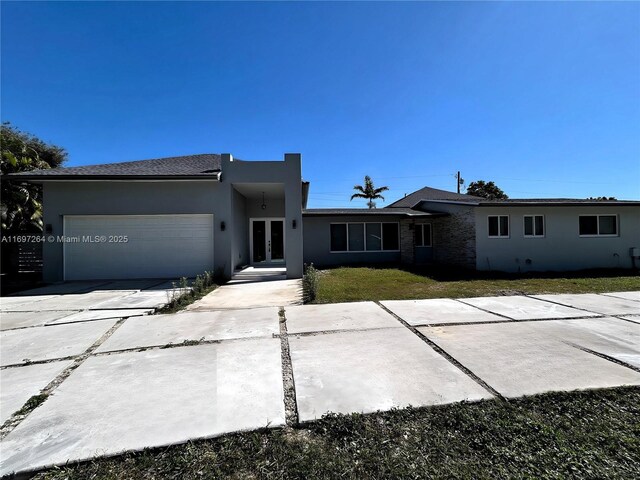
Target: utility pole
459, 181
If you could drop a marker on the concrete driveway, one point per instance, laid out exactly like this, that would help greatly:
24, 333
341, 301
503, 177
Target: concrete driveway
117, 384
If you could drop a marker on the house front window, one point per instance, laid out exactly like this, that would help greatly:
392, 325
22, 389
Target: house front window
365, 237
498, 226
423, 235
534, 225
598, 225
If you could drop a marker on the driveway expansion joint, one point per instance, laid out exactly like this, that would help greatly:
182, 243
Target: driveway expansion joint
461, 300
445, 354
292, 416
603, 356
563, 305
78, 360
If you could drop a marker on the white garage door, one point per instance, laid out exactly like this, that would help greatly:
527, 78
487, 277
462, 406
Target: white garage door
156, 246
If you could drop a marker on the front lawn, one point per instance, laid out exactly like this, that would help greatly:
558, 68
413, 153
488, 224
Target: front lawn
358, 284
592, 434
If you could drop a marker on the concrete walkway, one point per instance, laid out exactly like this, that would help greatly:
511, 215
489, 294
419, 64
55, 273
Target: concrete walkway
252, 287
149, 381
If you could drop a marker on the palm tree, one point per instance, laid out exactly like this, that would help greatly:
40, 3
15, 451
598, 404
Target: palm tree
368, 191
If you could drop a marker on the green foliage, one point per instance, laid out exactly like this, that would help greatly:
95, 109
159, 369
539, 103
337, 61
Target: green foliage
349, 284
488, 190
310, 283
33, 403
587, 434
368, 191
184, 294
21, 203
601, 199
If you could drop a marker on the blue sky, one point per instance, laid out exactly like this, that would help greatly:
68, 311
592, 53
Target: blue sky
544, 98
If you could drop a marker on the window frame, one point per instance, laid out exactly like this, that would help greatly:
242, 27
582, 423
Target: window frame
382, 250
533, 219
421, 226
598, 215
508, 235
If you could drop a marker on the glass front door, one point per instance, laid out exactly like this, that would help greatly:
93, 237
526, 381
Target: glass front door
267, 240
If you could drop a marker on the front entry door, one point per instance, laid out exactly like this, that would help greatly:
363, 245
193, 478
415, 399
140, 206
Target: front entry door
267, 240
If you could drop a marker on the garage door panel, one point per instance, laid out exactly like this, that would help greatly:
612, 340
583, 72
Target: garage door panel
158, 246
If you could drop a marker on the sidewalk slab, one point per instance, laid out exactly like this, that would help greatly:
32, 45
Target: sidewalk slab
135, 400
144, 299
9, 320
50, 342
632, 318
64, 288
338, 316
158, 330
275, 293
9, 304
525, 308
520, 359
90, 315
372, 370
17, 385
601, 304
437, 311
609, 336
635, 296
73, 301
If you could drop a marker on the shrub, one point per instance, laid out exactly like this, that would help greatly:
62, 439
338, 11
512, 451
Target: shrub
310, 283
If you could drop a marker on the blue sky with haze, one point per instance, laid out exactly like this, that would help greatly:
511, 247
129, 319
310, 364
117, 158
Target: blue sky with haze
544, 98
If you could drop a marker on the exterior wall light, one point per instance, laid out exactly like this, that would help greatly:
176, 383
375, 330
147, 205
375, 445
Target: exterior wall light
223, 226
264, 205
294, 224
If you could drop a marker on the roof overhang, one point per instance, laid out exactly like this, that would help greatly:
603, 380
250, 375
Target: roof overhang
629, 203
320, 212
215, 177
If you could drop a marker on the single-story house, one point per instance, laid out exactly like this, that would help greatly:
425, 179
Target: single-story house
181, 216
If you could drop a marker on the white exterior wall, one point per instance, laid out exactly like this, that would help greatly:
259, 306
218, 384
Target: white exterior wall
561, 248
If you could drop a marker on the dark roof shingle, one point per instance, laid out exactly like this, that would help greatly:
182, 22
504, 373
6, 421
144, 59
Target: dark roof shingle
187, 165
428, 193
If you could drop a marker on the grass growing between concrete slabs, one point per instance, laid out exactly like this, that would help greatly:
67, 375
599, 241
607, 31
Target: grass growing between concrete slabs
184, 294
360, 284
591, 434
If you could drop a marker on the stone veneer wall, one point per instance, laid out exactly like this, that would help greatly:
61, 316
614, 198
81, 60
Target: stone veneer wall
407, 253
454, 237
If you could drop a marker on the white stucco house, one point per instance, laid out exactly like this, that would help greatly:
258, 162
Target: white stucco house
181, 216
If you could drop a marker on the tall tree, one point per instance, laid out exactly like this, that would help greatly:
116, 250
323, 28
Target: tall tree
368, 191
488, 190
20, 203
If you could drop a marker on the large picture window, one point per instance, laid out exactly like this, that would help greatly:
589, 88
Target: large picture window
423, 235
598, 225
365, 237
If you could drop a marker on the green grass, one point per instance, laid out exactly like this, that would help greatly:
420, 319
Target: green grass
591, 434
31, 404
357, 284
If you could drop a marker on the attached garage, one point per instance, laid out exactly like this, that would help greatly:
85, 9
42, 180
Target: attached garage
137, 246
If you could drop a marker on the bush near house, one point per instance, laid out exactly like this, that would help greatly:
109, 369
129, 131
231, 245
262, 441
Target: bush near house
184, 294
310, 283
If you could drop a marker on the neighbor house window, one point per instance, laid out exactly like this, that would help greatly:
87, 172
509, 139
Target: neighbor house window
338, 237
534, 225
498, 226
598, 225
423, 235
365, 237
